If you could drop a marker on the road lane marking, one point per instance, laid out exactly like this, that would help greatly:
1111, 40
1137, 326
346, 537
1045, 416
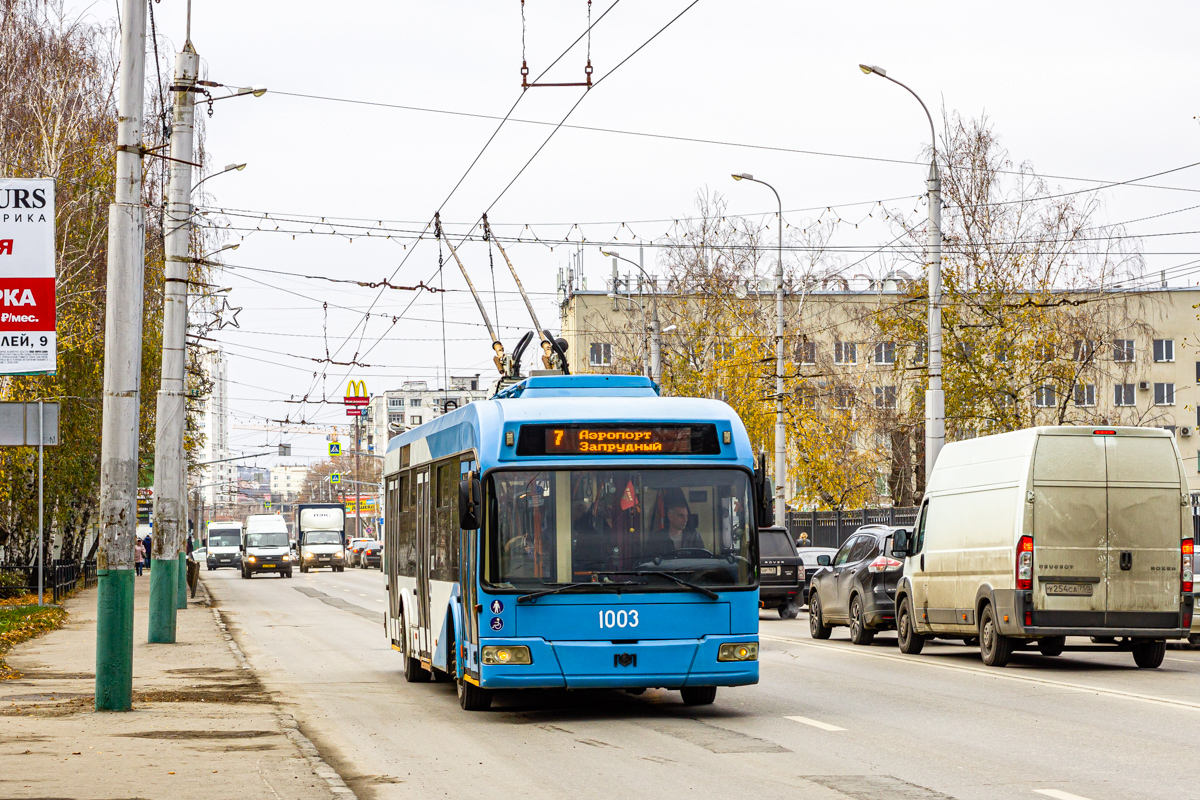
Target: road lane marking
1058, 794
816, 723
996, 673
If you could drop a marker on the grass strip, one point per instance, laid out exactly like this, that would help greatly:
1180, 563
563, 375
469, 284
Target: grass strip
21, 621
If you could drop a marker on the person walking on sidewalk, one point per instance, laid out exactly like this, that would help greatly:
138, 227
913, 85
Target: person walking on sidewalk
146, 549
139, 555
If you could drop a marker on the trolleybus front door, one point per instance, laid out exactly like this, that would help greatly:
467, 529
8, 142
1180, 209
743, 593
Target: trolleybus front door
424, 559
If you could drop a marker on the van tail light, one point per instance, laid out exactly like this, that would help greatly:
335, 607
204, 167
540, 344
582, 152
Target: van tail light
1025, 563
1187, 565
884, 564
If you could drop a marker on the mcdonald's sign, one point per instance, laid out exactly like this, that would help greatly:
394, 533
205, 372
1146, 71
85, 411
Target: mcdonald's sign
356, 394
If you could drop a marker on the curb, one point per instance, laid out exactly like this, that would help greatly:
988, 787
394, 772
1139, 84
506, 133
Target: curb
290, 727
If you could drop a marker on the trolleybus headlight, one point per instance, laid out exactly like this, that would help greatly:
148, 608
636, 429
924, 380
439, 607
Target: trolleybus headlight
518, 654
738, 651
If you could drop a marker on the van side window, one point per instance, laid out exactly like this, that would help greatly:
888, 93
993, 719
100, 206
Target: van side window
920, 529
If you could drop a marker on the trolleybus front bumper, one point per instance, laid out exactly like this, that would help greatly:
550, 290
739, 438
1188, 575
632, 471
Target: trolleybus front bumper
659, 663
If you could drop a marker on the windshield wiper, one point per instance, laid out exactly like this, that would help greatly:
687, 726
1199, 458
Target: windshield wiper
663, 574
526, 598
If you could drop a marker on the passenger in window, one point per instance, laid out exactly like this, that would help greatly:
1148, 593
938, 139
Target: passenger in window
678, 532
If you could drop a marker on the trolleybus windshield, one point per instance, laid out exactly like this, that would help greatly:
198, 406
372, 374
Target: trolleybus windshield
551, 527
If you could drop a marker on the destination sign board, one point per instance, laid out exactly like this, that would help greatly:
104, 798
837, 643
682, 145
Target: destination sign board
616, 439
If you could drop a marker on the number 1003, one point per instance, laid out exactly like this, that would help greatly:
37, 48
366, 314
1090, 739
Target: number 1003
618, 619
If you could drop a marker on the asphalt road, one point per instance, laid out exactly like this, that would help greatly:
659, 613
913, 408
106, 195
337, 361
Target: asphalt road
828, 720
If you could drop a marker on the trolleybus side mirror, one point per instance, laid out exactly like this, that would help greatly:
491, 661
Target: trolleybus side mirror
900, 544
764, 494
469, 502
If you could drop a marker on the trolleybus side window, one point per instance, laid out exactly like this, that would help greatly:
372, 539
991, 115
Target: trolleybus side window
609, 525
406, 547
444, 525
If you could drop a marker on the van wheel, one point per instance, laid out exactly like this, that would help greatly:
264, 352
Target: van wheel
907, 637
698, 695
789, 610
1052, 645
817, 628
994, 646
1149, 654
472, 698
859, 632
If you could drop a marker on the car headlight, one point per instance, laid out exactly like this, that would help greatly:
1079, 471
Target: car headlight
250, 558
738, 651
515, 654
308, 555
287, 558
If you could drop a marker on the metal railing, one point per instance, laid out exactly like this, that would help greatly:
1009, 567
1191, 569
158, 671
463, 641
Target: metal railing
831, 528
60, 579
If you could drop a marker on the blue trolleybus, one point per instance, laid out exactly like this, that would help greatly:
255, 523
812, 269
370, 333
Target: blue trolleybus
575, 532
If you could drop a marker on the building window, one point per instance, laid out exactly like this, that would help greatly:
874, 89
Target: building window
885, 396
805, 398
1164, 350
397, 419
1123, 351
600, 354
843, 398
1044, 351
1001, 354
415, 419
1164, 394
806, 353
474, 385
1084, 350
845, 353
395, 402
966, 350
919, 352
414, 401
885, 353
1043, 397
1169, 428
1123, 394
1085, 394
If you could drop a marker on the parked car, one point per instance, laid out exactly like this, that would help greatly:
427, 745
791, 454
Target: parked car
857, 587
779, 567
371, 555
1046, 533
809, 556
354, 548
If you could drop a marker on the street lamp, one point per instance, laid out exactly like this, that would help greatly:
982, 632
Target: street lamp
935, 399
228, 168
780, 451
655, 329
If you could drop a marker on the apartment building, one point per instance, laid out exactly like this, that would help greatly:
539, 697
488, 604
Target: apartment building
286, 482
1118, 358
217, 479
414, 403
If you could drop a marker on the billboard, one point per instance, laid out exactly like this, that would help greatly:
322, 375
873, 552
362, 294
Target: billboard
27, 294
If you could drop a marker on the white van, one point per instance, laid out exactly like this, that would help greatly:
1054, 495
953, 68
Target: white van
223, 545
265, 546
322, 531
1051, 532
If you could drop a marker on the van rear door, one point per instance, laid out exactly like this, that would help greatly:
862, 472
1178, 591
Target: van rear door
1145, 524
1070, 531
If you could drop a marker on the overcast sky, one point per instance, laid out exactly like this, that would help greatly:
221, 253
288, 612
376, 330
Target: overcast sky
1081, 89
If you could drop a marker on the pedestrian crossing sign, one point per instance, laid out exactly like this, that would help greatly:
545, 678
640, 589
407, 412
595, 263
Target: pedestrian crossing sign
335, 477
335, 448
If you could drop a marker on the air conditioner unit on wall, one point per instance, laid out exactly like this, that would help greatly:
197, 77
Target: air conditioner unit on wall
1144, 386
1185, 431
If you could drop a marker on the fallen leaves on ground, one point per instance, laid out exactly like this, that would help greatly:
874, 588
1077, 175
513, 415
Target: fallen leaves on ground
19, 623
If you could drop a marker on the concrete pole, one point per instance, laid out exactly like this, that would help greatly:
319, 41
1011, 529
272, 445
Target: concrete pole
357, 490
169, 497
122, 379
655, 325
780, 431
935, 398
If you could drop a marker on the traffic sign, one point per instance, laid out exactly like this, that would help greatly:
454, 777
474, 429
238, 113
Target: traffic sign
335, 448
335, 477
354, 412
267, 505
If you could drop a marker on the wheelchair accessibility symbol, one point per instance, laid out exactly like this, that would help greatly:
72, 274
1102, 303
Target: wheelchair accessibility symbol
497, 623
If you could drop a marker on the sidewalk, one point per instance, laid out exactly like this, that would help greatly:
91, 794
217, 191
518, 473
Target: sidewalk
202, 725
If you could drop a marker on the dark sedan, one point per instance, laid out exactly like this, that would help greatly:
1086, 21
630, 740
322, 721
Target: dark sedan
371, 555
780, 572
857, 587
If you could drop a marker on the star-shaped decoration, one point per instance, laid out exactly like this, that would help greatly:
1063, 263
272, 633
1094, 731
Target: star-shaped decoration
225, 316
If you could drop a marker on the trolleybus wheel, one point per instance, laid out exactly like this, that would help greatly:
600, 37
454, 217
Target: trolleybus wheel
698, 695
414, 672
472, 698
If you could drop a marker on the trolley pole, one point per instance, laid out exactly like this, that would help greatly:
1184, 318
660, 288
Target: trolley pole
170, 517
122, 379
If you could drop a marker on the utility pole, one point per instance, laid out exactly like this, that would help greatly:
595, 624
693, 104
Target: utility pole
122, 379
170, 518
